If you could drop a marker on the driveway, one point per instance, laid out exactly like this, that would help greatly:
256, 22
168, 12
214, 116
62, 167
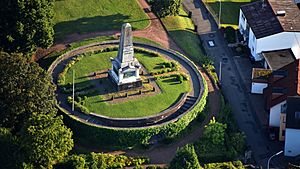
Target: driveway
235, 82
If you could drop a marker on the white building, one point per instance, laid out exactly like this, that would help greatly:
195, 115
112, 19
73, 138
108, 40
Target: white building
292, 131
270, 25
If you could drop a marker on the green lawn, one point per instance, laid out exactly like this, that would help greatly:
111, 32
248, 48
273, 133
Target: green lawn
181, 29
230, 10
151, 63
83, 16
45, 62
138, 107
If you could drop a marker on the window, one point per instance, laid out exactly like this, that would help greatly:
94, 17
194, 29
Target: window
280, 90
297, 115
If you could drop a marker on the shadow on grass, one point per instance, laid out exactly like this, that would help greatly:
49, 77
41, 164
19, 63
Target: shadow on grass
231, 16
190, 43
171, 81
91, 24
93, 87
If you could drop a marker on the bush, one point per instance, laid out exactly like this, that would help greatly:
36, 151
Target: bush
230, 34
185, 158
99, 160
231, 165
78, 106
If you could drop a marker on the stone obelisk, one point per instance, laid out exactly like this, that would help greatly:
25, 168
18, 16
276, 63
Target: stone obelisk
125, 67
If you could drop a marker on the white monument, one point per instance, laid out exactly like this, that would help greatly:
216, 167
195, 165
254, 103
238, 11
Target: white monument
125, 67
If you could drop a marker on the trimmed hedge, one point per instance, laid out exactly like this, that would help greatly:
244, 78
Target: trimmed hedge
89, 134
100, 136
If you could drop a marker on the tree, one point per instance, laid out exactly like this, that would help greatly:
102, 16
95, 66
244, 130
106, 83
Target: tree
8, 148
165, 8
215, 132
24, 88
25, 25
185, 158
45, 140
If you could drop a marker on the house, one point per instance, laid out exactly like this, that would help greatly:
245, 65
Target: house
292, 131
270, 25
284, 81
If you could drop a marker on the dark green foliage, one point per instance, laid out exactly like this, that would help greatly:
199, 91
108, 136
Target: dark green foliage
230, 34
231, 142
26, 25
215, 132
45, 140
229, 165
99, 160
24, 88
165, 8
185, 158
73, 162
8, 147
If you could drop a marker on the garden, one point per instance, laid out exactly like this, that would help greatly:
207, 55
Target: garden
95, 92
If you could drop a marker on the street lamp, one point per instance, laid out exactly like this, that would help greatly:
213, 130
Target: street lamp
272, 157
73, 90
220, 12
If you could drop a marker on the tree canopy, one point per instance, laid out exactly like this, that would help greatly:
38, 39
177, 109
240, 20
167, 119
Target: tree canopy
215, 132
24, 88
25, 25
185, 158
45, 140
31, 133
164, 8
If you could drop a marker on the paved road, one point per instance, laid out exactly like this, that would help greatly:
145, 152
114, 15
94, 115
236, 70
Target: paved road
235, 85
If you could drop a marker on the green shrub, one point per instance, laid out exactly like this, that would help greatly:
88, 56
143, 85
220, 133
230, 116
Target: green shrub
185, 158
78, 106
100, 160
231, 165
230, 35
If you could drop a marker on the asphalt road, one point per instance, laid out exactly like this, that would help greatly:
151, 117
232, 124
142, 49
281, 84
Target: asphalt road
235, 87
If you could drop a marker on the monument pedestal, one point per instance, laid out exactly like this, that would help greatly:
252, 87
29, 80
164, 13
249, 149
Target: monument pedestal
128, 86
125, 67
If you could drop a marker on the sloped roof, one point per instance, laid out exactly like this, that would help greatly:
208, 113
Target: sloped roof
264, 21
291, 21
278, 58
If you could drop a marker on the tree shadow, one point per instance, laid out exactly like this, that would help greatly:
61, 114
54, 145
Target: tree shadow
90, 24
171, 81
